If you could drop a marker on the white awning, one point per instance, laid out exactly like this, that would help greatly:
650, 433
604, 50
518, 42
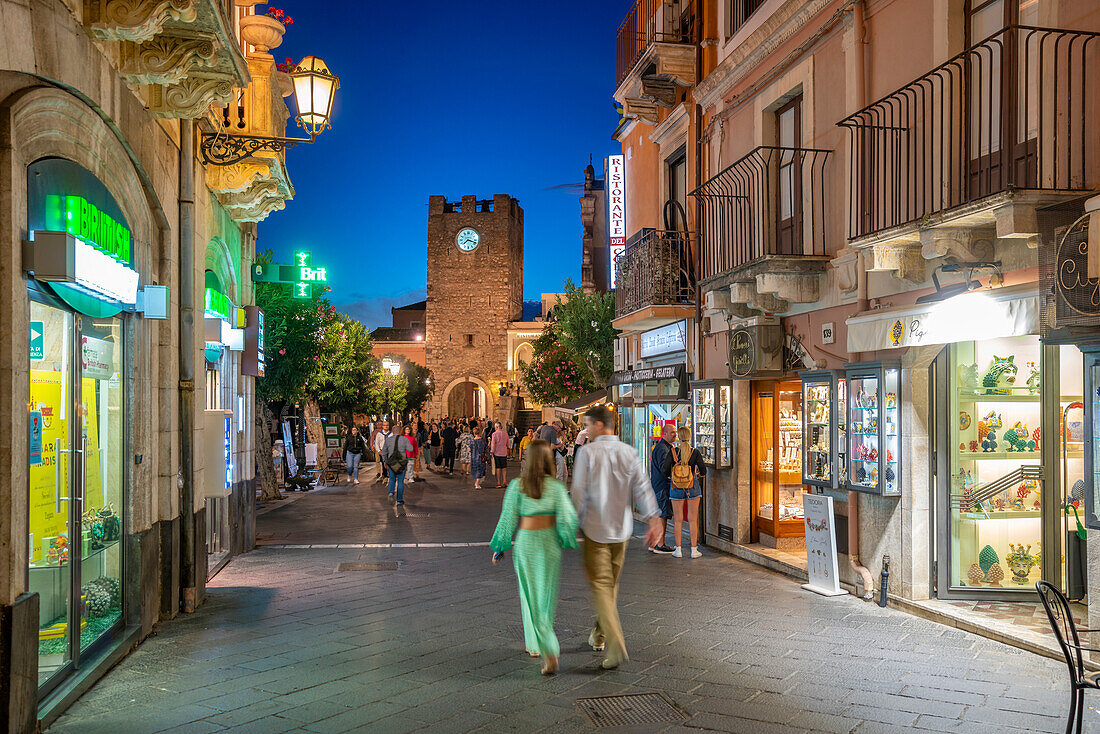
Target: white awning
984, 314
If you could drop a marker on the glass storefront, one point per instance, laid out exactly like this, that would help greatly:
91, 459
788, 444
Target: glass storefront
76, 416
777, 459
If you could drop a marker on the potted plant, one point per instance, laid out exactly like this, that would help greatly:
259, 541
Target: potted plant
265, 32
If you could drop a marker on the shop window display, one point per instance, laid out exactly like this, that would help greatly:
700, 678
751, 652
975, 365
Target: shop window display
711, 407
873, 427
777, 459
823, 435
997, 476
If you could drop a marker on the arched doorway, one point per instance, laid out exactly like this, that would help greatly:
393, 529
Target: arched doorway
466, 396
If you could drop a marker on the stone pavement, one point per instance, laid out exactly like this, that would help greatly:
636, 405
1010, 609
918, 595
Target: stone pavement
423, 638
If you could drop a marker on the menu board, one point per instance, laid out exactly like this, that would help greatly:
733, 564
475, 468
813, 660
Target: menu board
821, 560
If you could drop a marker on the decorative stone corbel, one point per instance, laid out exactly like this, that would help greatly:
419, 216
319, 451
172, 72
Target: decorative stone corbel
1018, 220
790, 287
642, 110
904, 259
190, 97
958, 242
745, 293
661, 91
135, 20
165, 59
846, 272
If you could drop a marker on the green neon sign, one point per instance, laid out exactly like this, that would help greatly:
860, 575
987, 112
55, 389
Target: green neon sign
80, 218
217, 304
306, 275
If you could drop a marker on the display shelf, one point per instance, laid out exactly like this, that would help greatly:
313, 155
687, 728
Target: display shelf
94, 554
998, 455
973, 397
1001, 515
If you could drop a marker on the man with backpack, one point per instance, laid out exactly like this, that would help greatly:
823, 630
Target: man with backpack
395, 452
354, 448
660, 476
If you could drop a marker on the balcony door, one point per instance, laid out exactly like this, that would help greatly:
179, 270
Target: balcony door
788, 123
1002, 114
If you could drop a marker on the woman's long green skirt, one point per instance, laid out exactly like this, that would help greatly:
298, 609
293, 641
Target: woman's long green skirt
537, 558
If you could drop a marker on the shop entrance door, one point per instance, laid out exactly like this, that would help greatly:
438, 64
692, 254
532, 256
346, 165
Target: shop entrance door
75, 484
777, 462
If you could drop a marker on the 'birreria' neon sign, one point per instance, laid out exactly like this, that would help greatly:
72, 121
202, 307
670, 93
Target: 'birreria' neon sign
83, 220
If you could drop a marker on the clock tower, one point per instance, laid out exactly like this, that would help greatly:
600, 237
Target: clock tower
475, 290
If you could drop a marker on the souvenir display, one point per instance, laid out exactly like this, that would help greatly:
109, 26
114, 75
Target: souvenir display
1000, 376
711, 422
1020, 562
873, 421
1033, 378
964, 420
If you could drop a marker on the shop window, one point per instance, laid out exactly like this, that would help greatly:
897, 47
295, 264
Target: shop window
777, 461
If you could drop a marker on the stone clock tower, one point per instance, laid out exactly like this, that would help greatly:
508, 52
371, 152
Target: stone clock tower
475, 290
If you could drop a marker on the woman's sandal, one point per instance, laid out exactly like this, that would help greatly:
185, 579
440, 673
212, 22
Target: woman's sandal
551, 666
533, 654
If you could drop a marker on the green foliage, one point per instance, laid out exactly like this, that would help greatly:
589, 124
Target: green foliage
419, 386
553, 377
346, 367
585, 330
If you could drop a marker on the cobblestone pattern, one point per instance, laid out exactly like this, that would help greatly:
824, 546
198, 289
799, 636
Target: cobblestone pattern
285, 642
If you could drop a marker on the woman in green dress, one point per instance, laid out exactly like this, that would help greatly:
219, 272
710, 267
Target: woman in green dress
539, 505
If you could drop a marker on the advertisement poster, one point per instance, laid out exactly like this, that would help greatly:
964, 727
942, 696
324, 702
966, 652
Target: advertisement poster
291, 459
34, 450
821, 562
45, 522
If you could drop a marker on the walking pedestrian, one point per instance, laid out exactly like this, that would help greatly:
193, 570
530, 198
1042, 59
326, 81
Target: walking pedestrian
396, 452
450, 437
550, 435
524, 443
421, 449
687, 487
380, 439
411, 454
513, 440
660, 476
464, 440
539, 505
435, 440
498, 445
354, 448
479, 447
608, 472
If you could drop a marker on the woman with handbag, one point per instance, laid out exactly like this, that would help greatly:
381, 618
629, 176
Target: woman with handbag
539, 505
688, 471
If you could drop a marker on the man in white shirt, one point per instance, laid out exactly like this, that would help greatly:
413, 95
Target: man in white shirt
379, 444
607, 473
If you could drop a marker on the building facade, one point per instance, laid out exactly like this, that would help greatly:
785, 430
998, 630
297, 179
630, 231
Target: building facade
475, 292
405, 335
889, 274
129, 475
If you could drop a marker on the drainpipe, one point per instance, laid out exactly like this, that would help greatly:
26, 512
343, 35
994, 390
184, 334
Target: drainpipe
861, 305
188, 601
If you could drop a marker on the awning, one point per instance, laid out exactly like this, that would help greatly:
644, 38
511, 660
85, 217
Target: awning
984, 314
582, 403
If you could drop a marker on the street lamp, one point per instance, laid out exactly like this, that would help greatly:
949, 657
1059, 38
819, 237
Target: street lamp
314, 92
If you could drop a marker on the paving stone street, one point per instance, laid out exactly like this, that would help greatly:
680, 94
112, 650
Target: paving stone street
301, 635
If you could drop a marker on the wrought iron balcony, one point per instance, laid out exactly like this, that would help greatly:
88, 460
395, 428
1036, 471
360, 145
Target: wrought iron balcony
655, 270
649, 22
771, 202
1013, 111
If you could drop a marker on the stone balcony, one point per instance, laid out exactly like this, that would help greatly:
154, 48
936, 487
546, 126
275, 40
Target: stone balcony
656, 57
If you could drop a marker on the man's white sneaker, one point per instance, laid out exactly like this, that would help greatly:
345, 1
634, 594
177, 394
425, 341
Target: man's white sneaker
676, 553
695, 553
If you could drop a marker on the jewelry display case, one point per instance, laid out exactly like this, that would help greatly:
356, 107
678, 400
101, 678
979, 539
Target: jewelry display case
823, 435
873, 423
710, 404
777, 459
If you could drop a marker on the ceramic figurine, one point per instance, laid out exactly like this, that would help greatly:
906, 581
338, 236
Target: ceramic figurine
1023, 491
1000, 376
999, 504
1078, 490
994, 575
968, 376
891, 400
861, 475
964, 420
973, 447
1017, 438
987, 558
990, 442
1020, 561
1033, 379
975, 574
1017, 504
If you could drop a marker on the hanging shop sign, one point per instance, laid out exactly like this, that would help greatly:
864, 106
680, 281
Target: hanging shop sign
821, 561
218, 453
615, 176
79, 240
671, 338
217, 304
302, 275
989, 314
756, 350
253, 362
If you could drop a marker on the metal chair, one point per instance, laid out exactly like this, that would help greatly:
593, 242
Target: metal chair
1065, 631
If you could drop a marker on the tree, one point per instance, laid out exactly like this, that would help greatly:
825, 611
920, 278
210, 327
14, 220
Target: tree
552, 376
585, 330
347, 368
419, 385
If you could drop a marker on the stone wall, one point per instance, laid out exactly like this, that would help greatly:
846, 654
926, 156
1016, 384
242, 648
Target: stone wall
472, 296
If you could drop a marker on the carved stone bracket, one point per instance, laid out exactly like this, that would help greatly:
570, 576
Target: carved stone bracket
957, 242
905, 259
135, 20
165, 59
746, 294
661, 91
791, 287
252, 189
846, 272
643, 110
190, 97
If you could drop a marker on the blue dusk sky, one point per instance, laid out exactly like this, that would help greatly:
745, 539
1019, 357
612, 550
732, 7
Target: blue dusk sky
451, 98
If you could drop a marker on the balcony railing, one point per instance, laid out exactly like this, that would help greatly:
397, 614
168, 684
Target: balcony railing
654, 270
648, 22
770, 202
1011, 112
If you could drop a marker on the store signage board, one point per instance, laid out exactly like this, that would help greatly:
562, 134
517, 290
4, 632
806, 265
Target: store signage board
37, 349
821, 559
671, 338
990, 314
228, 451
616, 209
254, 362
668, 372
742, 352
217, 304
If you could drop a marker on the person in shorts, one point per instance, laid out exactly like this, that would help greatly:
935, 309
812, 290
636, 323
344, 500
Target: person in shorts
498, 447
685, 502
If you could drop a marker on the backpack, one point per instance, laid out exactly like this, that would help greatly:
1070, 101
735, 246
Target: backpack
682, 475
397, 461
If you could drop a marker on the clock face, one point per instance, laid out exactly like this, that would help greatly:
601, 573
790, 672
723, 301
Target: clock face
467, 239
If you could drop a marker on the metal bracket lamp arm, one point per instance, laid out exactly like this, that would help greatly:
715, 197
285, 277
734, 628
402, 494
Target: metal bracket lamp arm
224, 150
